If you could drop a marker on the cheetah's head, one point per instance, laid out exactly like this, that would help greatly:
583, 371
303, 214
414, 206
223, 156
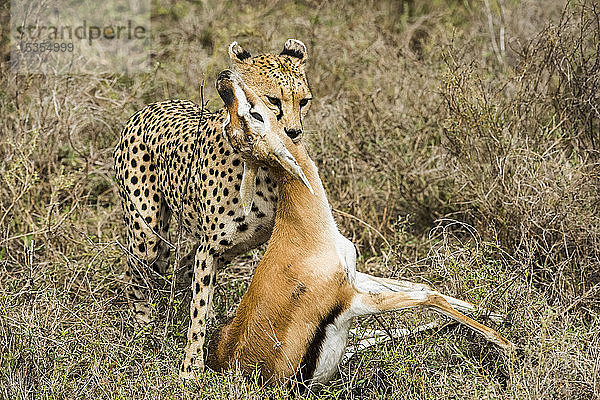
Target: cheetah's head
279, 80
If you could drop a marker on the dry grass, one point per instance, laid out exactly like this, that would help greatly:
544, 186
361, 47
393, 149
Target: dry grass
458, 143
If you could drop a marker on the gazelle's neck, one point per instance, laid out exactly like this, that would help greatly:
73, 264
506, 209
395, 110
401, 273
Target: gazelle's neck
301, 215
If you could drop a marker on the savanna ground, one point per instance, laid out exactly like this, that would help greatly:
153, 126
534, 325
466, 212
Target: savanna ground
458, 142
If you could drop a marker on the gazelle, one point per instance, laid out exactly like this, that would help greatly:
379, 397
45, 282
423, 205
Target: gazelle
293, 321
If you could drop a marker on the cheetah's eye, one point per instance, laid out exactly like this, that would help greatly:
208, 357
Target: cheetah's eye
274, 100
257, 116
304, 102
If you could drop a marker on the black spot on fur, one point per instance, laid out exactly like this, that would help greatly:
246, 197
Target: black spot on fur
299, 290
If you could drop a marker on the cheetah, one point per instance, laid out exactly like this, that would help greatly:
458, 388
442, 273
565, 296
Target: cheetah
173, 158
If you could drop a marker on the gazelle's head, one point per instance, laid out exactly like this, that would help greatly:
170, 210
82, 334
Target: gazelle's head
254, 131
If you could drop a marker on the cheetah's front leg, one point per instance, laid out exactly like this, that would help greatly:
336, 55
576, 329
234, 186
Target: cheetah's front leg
202, 292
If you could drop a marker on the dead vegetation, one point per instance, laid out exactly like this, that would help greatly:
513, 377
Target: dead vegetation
458, 143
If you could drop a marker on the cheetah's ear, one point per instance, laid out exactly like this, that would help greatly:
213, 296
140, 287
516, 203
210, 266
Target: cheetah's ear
238, 54
296, 50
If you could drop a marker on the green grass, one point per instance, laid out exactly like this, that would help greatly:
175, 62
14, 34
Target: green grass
462, 166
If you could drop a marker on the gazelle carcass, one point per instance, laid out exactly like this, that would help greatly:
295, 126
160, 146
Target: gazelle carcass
293, 322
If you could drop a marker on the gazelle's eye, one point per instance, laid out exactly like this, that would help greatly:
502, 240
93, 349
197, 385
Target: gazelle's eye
304, 102
274, 100
257, 116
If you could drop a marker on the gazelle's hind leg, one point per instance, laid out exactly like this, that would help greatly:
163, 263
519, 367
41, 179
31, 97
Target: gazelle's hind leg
374, 296
365, 281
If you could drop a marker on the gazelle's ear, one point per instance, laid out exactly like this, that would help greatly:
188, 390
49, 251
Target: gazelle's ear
231, 90
238, 54
228, 86
225, 87
238, 97
248, 186
296, 50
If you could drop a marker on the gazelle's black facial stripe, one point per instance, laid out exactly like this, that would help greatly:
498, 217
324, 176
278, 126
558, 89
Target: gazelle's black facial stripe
257, 116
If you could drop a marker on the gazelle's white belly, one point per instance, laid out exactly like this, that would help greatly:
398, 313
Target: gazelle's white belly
336, 334
332, 349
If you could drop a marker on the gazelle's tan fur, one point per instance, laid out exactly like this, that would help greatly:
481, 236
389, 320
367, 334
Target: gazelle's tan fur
293, 321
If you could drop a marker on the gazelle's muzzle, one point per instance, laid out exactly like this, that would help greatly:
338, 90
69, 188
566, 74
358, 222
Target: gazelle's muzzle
288, 162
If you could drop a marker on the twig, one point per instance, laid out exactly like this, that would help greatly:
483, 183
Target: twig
385, 328
587, 294
502, 45
47, 230
492, 33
